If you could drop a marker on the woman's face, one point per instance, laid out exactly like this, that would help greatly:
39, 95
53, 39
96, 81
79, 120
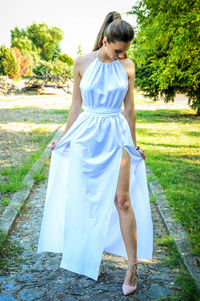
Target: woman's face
116, 50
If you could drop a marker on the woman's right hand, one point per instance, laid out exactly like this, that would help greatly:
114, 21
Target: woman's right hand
53, 144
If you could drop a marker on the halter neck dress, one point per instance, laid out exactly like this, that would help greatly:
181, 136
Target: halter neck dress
80, 219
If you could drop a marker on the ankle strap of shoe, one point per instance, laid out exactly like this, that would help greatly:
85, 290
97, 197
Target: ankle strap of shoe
133, 265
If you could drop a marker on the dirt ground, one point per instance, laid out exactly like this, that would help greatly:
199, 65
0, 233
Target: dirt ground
23, 117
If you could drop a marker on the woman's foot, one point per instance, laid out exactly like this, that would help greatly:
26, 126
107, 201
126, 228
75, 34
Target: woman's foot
130, 280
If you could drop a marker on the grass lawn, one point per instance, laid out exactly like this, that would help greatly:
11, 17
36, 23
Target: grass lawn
11, 178
171, 142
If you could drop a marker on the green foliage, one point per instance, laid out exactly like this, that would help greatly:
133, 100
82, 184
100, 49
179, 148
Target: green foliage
167, 49
56, 51
41, 175
41, 45
26, 48
2, 50
79, 51
66, 59
17, 33
42, 67
45, 39
9, 64
58, 67
37, 49
153, 198
23, 44
189, 291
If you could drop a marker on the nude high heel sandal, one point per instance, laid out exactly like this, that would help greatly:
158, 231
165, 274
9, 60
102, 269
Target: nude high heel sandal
129, 289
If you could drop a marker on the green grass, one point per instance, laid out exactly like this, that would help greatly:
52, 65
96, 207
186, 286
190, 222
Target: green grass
174, 258
41, 176
171, 142
62, 111
189, 290
12, 178
9, 250
153, 198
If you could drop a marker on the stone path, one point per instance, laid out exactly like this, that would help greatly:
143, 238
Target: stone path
39, 277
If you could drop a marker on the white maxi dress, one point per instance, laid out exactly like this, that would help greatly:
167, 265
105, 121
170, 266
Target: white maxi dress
80, 219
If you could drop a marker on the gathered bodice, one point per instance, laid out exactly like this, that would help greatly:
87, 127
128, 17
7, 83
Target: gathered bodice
104, 86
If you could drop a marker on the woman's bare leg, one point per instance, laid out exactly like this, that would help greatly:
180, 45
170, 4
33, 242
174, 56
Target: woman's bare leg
125, 211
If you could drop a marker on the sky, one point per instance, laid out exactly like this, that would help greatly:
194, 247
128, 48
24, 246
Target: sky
79, 20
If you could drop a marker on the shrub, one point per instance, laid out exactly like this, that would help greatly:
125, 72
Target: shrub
9, 64
24, 62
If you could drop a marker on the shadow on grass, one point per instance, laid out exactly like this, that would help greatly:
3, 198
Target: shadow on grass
192, 134
156, 144
183, 115
32, 115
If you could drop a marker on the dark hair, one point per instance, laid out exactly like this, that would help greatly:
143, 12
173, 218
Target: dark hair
115, 29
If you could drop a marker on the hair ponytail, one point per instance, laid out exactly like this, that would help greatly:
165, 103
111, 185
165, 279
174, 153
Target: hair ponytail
112, 16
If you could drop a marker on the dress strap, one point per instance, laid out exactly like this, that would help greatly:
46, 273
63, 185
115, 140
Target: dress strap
98, 53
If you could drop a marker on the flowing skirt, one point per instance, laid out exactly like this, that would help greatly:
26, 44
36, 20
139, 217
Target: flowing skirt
80, 219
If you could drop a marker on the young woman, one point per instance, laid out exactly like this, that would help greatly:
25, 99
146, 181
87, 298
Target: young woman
97, 189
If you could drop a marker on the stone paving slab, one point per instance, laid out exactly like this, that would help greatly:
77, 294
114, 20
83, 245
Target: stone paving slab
175, 229
41, 278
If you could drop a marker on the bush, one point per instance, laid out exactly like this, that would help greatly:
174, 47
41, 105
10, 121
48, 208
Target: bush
25, 63
42, 67
66, 59
9, 64
58, 67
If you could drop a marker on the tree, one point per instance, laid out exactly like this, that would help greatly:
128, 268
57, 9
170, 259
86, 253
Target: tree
17, 33
38, 38
42, 67
25, 63
9, 64
66, 59
167, 49
40, 45
45, 38
59, 67
25, 46
56, 52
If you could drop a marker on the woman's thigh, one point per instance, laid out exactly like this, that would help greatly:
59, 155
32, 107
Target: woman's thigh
124, 175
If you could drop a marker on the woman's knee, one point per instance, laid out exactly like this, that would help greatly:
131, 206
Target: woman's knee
122, 201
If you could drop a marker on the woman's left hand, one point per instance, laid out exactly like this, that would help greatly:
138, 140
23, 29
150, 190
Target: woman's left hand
141, 151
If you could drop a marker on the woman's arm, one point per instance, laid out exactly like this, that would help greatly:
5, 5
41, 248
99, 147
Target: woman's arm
76, 104
129, 107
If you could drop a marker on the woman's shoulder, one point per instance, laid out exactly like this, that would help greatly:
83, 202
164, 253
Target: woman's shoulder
129, 66
81, 62
81, 59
